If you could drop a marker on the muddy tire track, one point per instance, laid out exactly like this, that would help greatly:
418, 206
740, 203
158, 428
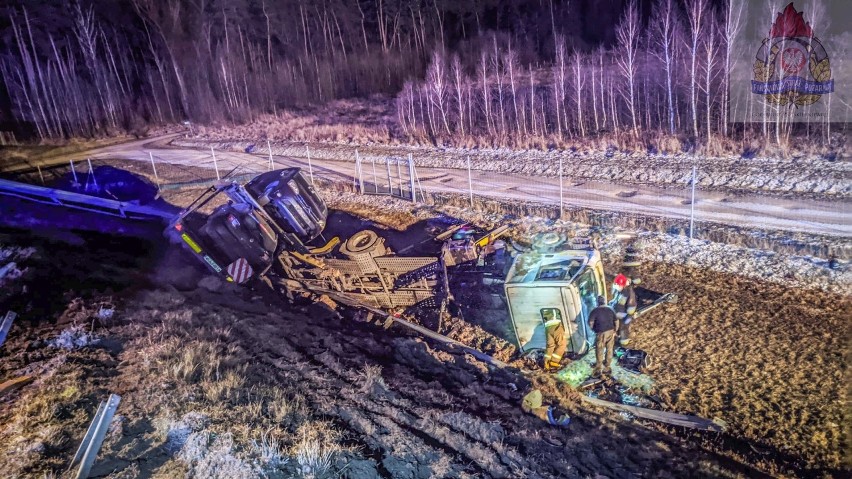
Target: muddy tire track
413, 417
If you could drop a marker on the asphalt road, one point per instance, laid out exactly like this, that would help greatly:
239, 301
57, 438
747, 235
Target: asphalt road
747, 210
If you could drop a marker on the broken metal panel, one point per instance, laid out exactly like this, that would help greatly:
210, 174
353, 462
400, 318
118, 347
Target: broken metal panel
396, 281
6, 325
399, 264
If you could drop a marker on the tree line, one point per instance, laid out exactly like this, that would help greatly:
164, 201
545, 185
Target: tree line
497, 71
663, 84
93, 67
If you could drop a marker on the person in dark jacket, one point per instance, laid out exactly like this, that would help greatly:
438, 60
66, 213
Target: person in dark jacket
603, 322
556, 343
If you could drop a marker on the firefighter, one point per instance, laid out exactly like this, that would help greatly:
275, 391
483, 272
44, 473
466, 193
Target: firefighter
556, 343
602, 320
624, 299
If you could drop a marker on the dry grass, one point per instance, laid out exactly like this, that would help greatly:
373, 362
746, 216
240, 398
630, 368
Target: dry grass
315, 449
12, 156
341, 121
252, 426
46, 416
371, 378
769, 362
374, 121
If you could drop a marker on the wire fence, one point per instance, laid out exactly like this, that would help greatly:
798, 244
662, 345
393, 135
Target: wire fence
686, 209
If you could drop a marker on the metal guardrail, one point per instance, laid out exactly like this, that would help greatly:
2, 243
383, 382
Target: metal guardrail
6, 326
94, 438
41, 194
203, 183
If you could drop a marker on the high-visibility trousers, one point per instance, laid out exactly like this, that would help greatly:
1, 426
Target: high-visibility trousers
556, 345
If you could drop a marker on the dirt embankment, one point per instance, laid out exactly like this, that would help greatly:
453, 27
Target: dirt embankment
218, 382
767, 359
756, 339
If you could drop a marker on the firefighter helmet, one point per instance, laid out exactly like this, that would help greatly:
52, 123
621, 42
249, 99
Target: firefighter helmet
620, 281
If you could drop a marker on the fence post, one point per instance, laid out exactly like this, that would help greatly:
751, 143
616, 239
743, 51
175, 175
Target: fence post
375, 178
417, 177
310, 168
399, 176
154, 167
692, 205
390, 182
561, 194
74, 174
271, 161
40, 175
92, 172
469, 182
411, 177
360, 172
215, 166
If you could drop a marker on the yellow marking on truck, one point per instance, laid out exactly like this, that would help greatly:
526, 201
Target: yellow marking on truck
307, 259
328, 246
192, 244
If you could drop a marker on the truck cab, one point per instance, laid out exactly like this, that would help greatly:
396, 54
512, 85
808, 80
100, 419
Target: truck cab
240, 240
565, 283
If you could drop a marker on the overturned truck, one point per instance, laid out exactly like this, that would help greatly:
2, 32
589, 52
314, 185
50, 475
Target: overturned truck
263, 233
265, 230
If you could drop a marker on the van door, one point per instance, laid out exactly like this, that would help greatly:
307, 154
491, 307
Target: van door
527, 307
577, 321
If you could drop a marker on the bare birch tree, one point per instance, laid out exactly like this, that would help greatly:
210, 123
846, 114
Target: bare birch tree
511, 62
665, 28
710, 52
458, 76
627, 33
578, 90
436, 77
732, 24
695, 14
559, 84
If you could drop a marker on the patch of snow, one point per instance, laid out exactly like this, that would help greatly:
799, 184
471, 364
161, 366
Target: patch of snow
179, 432
14, 252
105, 313
74, 337
788, 270
9, 272
216, 456
14, 255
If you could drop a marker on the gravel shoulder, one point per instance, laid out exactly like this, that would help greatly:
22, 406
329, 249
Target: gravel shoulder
799, 177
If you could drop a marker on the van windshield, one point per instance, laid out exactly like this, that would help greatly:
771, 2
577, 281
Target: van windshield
561, 271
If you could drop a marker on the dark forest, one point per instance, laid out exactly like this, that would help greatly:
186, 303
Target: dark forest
498, 71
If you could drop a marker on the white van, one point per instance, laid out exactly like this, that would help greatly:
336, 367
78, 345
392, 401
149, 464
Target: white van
566, 283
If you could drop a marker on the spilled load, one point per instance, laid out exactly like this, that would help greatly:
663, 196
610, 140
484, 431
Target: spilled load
265, 230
